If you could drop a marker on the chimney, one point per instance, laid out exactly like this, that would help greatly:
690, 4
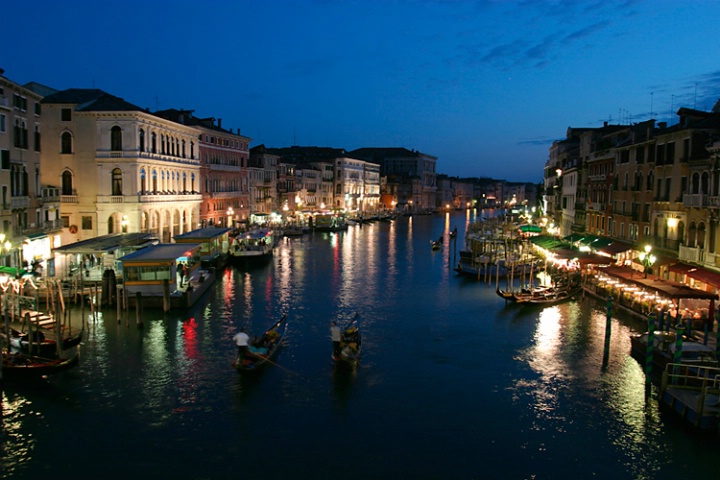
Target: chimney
219, 122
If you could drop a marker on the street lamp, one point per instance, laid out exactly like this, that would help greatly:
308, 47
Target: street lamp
124, 223
647, 259
230, 213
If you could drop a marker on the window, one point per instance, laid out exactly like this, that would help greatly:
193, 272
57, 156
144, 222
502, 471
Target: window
3, 123
116, 139
67, 183
37, 138
142, 140
65, 114
87, 223
5, 159
117, 181
143, 184
65, 221
38, 109
66, 143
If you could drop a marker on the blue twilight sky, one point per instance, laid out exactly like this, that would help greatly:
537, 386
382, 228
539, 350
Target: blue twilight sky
485, 86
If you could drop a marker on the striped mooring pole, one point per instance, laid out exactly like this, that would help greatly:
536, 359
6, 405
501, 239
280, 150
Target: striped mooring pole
650, 352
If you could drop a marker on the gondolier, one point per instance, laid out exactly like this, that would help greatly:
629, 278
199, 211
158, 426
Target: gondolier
241, 339
336, 337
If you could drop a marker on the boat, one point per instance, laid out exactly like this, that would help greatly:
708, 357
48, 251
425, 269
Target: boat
38, 343
330, 222
437, 244
541, 295
348, 353
262, 350
664, 348
19, 365
293, 231
253, 246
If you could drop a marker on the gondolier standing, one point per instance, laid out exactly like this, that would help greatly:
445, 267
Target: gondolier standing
241, 339
336, 338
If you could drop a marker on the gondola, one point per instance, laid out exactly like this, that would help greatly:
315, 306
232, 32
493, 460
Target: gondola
38, 343
552, 297
437, 244
350, 348
262, 350
19, 365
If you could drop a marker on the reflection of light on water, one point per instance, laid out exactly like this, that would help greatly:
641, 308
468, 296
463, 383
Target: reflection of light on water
16, 448
567, 356
544, 359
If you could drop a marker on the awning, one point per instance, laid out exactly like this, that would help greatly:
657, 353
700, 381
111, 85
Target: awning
615, 247
704, 275
668, 288
681, 268
530, 229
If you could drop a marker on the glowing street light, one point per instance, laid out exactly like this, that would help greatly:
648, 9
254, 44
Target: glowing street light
230, 214
124, 224
647, 259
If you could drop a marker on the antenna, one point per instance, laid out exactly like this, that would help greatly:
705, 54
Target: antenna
672, 106
651, 103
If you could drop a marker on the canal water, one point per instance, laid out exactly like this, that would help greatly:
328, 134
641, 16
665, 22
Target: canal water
453, 383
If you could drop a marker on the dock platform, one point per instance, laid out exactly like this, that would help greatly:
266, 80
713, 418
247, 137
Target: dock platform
692, 392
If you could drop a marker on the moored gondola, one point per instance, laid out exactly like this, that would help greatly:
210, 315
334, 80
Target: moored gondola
21, 366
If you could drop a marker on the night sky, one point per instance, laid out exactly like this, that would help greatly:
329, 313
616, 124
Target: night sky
485, 86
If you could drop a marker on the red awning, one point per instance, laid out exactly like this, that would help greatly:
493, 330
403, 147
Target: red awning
704, 275
681, 268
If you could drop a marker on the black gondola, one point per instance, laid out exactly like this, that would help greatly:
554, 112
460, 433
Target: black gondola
262, 350
350, 348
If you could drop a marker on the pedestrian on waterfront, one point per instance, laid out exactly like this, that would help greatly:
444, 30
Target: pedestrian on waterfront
241, 339
179, 274
336, 338
184, 274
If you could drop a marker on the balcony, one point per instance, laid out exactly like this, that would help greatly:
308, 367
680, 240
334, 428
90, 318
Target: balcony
698, 200
691, 254
51, 194
111, 199
168, 198
69, 199
19, 202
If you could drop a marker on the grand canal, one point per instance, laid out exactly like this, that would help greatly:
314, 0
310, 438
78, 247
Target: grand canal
453, 383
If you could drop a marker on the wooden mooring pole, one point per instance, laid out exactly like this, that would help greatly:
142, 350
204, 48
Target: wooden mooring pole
608, 327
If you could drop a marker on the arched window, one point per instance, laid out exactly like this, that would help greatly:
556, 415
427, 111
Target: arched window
117, 181
111, 224
67, 183
154, 182
692, 235
153, 144
116, 139
66, 142
143, 180
700, 237
142, 140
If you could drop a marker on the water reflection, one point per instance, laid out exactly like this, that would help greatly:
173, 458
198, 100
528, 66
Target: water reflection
16, 444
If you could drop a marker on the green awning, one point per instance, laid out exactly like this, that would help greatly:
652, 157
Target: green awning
530, 229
